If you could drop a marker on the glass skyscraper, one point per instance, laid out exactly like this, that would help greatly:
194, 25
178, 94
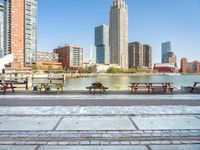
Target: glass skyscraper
30, 32
102, 44
166, 47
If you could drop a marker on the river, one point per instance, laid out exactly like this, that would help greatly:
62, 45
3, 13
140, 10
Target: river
121, 82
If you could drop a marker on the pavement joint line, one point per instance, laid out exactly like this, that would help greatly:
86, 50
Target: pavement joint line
134, 124
148, 147
57, 124
197, 117
37, 147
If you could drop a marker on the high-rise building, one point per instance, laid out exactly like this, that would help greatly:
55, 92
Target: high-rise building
20, 31
70, 56
102, 44
1, 30
140, 55
171, 58
135, 50
119, 34
166, 47
147, 56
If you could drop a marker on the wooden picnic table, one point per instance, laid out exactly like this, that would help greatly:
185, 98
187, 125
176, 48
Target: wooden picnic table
4, 86
97, 86
152, 86
46, 83
195, 86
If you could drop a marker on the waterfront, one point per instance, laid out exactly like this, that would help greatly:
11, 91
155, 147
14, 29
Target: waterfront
121, 82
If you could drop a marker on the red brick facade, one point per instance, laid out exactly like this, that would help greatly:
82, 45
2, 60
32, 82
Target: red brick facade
189, 67
17, 32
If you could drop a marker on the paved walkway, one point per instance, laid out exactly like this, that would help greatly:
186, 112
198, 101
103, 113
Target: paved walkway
129, 132
99, 110
100, 100
100, 128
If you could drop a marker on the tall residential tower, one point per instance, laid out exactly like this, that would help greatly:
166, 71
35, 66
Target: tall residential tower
119, 34
102, 44
140, 56
20, 31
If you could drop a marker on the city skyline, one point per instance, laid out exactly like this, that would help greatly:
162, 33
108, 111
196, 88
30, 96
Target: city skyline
150, 23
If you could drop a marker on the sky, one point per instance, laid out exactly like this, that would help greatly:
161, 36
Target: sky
151, 22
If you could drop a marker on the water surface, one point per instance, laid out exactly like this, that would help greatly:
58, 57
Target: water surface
122, 82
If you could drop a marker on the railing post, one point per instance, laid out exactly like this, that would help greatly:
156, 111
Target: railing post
28, 82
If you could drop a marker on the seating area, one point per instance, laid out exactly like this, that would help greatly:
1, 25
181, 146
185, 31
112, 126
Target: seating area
7, 86
97, 87
46, 84
152, 87
12, 84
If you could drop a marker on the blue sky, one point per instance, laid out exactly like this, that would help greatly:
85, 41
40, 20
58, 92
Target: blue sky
150, 22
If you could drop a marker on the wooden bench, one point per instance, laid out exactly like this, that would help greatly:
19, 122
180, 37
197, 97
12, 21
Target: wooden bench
162, 88
136, 88
97, 86
16, 83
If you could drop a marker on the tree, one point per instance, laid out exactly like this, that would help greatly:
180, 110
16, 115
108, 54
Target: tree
50, 67
35, 67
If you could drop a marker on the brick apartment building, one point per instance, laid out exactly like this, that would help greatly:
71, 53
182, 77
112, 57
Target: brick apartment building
46, 59
20, 32
71, 57
189, 67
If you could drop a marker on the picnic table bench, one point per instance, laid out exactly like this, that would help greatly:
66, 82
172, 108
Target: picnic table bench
45, 84
11, 83
4, 86
162, 86
195, 87
97, 86
139, 86
150, 86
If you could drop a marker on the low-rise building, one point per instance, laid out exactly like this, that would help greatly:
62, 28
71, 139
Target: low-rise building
165, 68
71, 57
189, 67
46, 59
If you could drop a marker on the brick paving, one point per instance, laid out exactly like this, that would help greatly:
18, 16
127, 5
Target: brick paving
78, 137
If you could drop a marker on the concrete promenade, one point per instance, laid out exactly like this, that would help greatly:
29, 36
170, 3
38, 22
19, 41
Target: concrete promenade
135, 127
84, 99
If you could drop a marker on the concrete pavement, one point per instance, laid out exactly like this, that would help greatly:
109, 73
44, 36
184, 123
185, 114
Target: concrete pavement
99, 100
134, 127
